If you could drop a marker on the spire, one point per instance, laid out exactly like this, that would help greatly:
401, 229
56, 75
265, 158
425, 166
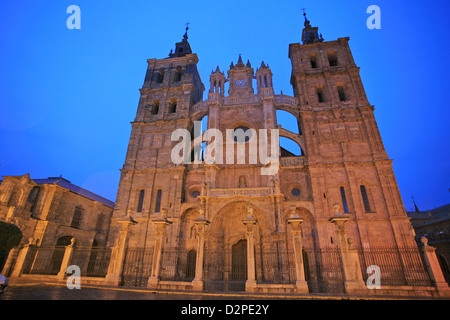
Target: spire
182, 48
185, 36
310, 34
416, 209
240, 63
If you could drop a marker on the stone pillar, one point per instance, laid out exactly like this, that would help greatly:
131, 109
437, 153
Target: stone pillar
353, 281
10, 214
161, 224
68, 253
9, 261
301, 286
201, 224
21, 259
250, 222
118, 254
433, 267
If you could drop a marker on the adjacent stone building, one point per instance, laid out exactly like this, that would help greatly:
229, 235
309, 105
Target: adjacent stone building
434, 224
49, 213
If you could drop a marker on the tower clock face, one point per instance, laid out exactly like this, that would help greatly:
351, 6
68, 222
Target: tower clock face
240, 82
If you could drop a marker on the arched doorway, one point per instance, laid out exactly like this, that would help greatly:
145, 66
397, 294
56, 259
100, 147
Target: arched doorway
225, 258
10, 236
58, 254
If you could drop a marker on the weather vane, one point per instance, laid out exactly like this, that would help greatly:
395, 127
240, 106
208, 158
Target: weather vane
187, 25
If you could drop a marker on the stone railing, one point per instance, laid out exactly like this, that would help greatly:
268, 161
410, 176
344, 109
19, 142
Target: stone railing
282, 99
240, 191
200, 106
292, 161
240, 100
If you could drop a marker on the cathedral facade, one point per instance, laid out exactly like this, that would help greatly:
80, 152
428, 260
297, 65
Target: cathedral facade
311, 225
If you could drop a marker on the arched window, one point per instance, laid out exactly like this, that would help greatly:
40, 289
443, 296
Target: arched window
14, 199
344, 199
265, 82
198, 151
320, 95
99, 223
289, 148
365, 198
173, 106
288, 121
155, 107
341, 93
332, 58
177, 74
33, 196
160, 76
140, 200
77, 217
313, 60
158, 200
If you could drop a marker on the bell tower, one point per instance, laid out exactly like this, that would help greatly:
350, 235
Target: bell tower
346, 158
240, 77
150, 183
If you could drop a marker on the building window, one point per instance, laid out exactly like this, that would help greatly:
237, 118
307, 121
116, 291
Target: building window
77, 217
155, 107
140, 200
177, 73
14, 199
344, 200
319, 92
158, 200
160, 76
33, 196
242, 134
99, 224
295, 192
332, 59
313, 60
365, 198
341, 93
172, 106
195, 194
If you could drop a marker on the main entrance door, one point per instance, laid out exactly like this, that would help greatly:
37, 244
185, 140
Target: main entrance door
238, 266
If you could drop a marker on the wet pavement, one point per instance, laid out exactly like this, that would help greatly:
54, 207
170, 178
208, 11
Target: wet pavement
61, 292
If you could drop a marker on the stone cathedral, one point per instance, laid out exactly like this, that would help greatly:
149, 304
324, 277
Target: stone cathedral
315, 225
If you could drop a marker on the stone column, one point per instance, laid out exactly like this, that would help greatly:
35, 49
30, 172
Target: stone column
68, 253
161, 223
118, 254
353, 281
433, 267
250, 222
10, 214
9, 261
295, 221
21, 259
201, 224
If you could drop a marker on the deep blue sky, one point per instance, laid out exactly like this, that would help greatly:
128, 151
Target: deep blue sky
67, 96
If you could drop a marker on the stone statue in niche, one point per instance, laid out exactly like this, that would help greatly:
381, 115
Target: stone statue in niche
242, 182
